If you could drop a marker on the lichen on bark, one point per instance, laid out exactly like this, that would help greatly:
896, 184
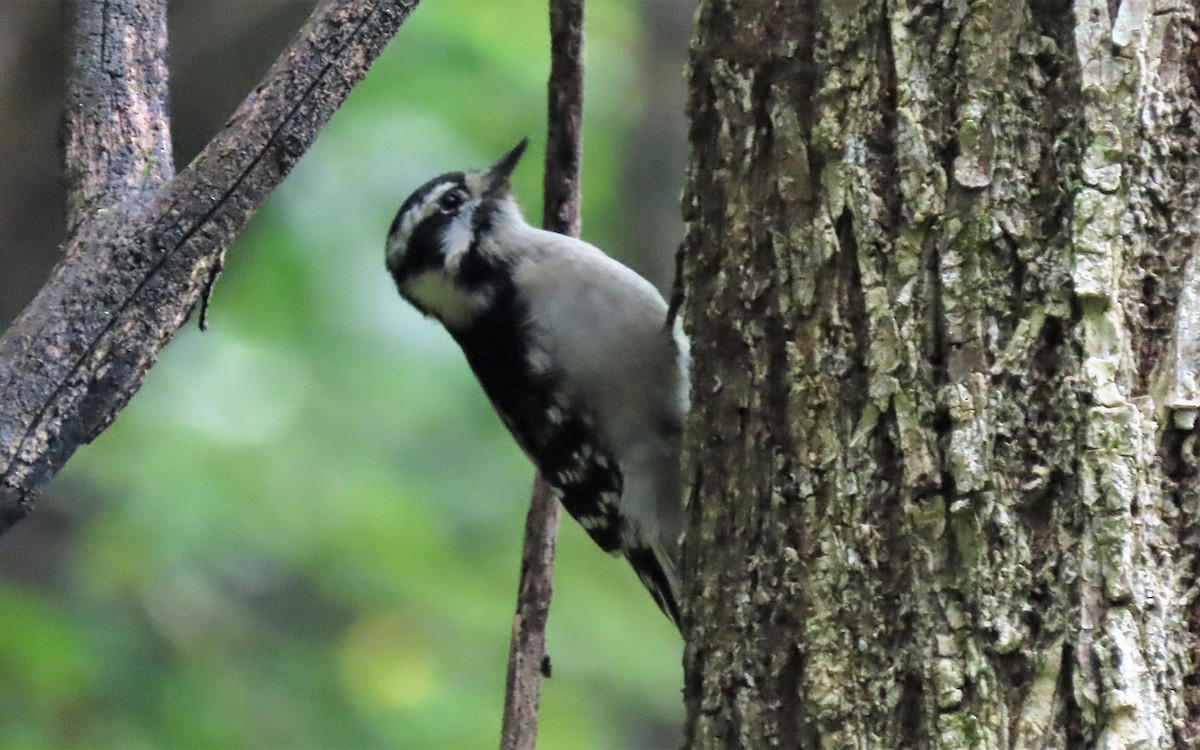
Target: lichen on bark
942, 448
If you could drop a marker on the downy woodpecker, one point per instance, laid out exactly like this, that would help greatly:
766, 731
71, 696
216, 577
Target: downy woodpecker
573, 349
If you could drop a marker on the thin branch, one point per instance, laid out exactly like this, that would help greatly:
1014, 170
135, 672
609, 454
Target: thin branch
527, 658
132, 275
564, 119
116, 129
561, 213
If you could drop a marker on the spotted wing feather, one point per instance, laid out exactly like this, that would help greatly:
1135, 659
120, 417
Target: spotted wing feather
588, 482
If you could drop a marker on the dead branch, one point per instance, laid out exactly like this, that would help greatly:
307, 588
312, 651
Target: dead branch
133, 272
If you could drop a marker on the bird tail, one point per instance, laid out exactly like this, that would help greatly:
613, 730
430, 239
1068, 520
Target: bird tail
657, 573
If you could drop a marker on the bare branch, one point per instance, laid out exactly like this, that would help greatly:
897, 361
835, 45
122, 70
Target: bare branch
561, 213
132, 275
527, 650
116, 130
564, 119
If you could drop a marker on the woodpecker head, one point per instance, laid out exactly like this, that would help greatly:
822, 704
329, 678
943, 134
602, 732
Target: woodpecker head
436, 248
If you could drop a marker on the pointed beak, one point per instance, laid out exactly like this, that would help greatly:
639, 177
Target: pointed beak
496, 177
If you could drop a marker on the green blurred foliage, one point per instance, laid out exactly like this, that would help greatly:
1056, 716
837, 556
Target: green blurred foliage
305, 530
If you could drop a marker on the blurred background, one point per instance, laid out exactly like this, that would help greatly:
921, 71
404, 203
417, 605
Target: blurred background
305, 530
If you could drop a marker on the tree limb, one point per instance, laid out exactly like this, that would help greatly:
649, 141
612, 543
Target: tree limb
560, 213
116, 130
132, 275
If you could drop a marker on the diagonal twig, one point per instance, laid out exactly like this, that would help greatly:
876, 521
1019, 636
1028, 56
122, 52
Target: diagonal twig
132, 274
561, 213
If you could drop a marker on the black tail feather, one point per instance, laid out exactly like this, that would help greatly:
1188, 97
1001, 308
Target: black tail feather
654, 577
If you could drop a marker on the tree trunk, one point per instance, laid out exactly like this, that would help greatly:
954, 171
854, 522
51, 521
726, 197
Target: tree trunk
946, 333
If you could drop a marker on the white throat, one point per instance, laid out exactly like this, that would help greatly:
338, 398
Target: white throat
436, 294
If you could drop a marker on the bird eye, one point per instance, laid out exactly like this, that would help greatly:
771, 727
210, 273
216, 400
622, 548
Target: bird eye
451, 200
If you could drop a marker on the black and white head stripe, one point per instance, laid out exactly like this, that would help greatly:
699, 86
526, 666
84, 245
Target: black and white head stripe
425, 197
445, 195
416, 237
433, 245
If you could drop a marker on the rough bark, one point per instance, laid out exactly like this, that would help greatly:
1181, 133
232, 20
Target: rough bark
945, 315
116, 129
132, 274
